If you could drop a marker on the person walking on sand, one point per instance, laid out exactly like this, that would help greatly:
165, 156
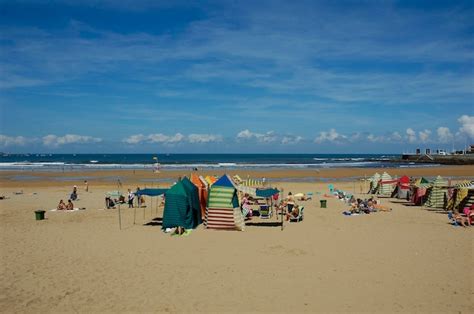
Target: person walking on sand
86, 186
131, 196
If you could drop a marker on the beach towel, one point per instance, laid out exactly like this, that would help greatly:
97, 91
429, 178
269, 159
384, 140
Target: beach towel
65, 210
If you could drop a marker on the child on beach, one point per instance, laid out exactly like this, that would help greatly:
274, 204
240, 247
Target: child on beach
131, 196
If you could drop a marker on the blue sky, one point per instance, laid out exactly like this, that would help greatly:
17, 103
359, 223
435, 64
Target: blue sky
236, 76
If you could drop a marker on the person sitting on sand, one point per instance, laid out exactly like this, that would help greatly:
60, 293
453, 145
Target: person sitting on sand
109, 202
121, 199
290, 202
70, 205
370, 206
295, 211
61, 205
469, 213
246, 209
463, 221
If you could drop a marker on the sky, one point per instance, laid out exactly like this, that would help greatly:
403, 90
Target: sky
236, 76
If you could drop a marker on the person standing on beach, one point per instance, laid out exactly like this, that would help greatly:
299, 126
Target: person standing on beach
131, 196
86, 186
74, 193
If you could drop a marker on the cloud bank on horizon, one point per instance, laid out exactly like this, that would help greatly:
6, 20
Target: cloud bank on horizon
264, 76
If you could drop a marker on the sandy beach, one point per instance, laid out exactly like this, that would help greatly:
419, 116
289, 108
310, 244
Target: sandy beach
406, 260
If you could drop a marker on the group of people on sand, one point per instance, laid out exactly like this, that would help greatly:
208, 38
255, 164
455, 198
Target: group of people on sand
64, 206
288, 206
466, 218
366, 206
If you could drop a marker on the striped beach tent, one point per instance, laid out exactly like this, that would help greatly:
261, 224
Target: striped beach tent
386, 184
223, 209
437, 193
202, 192
460, 195
419, 190
252, 182
182, 206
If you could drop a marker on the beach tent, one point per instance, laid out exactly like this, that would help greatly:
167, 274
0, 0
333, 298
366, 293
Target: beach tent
252, 183
182, 206
210, 180
266, 193
437, 193
386, 184
113, 194
147, 192
459, 195
247, 189
151, 192
202, 192
418, 191
374, 181
402, 188
223, 210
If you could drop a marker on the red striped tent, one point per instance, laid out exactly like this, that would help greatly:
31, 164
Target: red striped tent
223, 210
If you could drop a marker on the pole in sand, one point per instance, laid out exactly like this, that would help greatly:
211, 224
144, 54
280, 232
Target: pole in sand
119, 212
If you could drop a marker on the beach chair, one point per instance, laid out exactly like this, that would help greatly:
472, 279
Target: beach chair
265, 212
300, 216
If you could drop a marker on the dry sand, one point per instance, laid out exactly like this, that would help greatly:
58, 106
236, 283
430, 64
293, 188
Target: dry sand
407, 260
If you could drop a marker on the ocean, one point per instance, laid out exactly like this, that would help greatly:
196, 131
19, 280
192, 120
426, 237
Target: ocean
58, 162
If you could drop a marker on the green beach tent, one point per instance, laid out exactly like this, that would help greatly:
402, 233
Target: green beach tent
437, 193
182, 206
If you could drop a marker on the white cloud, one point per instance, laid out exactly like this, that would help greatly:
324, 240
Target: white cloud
374, 139
204, 138
396, 137
154, 138
135, 139
291, 139
54, 140
267, 137
12, 140
411, 135
245, 134
424, 135
331, 136
467, 125
444, 134
162, 138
